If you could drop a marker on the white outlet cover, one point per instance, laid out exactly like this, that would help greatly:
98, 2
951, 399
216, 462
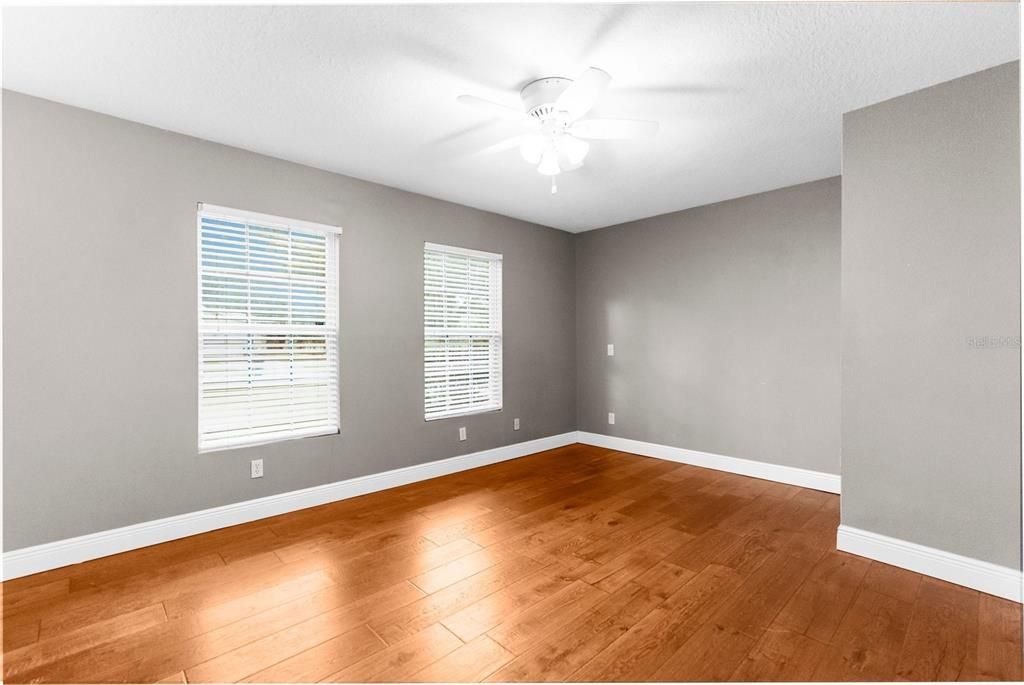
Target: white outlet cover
611, 418
611, 350
515, 424
256, 468
462, 433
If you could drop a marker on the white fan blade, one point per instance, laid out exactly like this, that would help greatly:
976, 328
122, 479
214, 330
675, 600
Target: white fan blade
583, 93
613, 129
493, 107
501, 146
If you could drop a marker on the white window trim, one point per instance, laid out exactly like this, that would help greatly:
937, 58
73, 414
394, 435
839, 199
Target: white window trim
204, 209
216, 211
465, 251
496, 332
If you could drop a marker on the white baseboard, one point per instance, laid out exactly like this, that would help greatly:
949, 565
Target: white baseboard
805, 478
954, 568
979, 575
22, 562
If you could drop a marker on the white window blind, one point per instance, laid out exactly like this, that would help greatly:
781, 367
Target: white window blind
462, 331
268, 328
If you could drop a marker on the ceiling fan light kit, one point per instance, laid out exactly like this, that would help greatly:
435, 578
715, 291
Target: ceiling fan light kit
554, 105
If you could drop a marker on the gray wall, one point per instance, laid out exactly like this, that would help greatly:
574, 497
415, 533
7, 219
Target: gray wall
99, 287
930, 265
725, 321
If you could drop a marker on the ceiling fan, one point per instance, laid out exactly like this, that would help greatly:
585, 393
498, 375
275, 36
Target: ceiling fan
552, 109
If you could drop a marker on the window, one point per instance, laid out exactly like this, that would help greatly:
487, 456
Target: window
461, 331
268, 328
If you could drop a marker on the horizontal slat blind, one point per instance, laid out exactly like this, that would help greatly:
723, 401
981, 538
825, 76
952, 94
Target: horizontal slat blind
462, 331
268, 331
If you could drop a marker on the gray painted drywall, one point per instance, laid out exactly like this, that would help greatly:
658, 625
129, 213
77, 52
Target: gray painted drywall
99, 288
930, 268
725, 321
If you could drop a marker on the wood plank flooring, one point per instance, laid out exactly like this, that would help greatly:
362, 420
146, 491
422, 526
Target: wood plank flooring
577, 564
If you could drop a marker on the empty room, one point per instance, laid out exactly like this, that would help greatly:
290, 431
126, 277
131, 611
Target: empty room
520, 342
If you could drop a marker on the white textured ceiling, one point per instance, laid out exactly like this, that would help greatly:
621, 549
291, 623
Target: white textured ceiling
749, 96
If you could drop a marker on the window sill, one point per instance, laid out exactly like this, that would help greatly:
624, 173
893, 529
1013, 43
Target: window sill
459, 415
271, 439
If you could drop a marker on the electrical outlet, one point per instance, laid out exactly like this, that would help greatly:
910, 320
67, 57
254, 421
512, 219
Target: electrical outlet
462, 433
515, 424
611, 418
611, 350
256, 468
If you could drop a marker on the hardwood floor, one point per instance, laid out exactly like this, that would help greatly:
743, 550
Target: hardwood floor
576, 564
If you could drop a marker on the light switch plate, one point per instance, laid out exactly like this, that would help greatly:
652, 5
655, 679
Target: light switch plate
462, 433
611, 350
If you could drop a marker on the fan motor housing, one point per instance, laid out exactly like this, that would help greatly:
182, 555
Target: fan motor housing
539, 96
